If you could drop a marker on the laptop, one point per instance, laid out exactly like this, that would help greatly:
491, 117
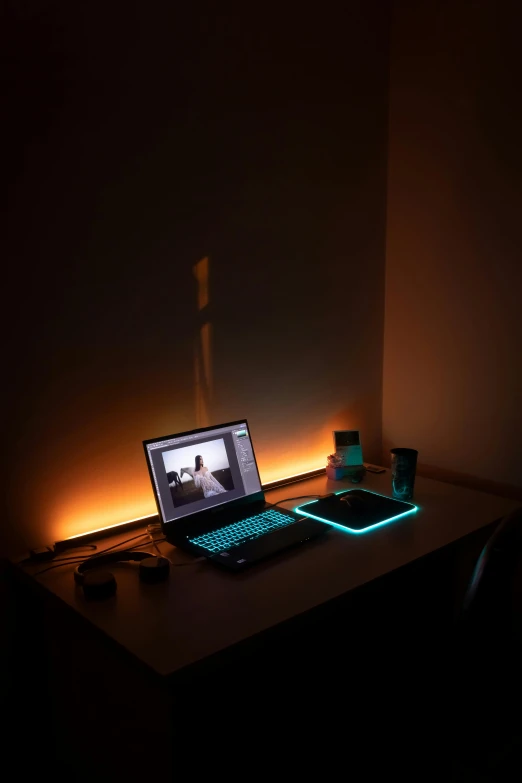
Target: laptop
210, 501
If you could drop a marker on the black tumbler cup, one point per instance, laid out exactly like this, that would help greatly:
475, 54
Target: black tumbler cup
403, 466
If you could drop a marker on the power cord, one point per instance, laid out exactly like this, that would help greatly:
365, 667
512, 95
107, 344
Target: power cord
154, 542
46, 553
300, 497
71, 560
157, 541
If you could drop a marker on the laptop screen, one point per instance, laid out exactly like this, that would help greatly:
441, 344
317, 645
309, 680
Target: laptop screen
197, 470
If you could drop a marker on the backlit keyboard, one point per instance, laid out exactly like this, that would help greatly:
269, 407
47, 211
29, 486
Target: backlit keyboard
247, 529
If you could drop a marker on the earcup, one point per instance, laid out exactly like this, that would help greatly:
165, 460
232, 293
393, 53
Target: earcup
98, 584
154, 569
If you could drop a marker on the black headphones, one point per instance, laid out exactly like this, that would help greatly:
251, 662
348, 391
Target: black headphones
101, 584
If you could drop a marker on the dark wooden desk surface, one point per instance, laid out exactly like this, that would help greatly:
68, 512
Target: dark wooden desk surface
203, 610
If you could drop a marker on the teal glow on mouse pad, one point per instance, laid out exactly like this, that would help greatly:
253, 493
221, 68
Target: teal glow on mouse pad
356, 510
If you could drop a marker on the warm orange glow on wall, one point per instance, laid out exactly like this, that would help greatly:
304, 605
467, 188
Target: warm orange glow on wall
95, 508
283, 470
290, 457
80, 516
105, 500
75, 520
114, 527
122, 523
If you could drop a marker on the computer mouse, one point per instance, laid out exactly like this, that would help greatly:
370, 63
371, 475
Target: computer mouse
354, 502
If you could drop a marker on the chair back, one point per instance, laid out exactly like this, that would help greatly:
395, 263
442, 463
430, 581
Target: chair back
489, 607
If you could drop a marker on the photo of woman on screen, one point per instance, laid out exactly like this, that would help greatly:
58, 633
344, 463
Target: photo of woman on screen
205, 481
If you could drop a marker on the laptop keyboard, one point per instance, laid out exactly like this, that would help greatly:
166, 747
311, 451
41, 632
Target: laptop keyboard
247, 529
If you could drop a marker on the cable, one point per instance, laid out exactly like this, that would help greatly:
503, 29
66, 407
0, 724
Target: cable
150, 542
71, 561
58, 565
298, 497
174, 565
115, 546
102, 551
80, 546
78, 558
191, 562
31, 560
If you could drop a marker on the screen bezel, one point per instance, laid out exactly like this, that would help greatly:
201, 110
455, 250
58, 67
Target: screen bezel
177, 528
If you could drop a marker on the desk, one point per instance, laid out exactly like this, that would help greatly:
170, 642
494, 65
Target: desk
176, 629
203, 610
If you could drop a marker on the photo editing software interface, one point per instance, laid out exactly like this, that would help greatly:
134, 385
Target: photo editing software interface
197, 471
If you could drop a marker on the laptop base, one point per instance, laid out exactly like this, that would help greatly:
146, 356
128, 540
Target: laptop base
250, 552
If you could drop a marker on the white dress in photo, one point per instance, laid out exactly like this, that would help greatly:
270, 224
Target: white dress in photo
208, 484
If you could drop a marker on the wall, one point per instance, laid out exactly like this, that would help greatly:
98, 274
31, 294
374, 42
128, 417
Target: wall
195, 234
453, 331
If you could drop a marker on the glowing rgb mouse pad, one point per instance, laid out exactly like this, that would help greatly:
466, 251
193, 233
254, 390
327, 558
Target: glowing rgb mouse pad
367, 511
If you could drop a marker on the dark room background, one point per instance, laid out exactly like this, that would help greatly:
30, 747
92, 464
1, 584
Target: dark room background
453, 334
196, 233
201, 224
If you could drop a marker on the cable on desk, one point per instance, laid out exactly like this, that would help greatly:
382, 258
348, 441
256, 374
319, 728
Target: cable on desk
58, 565
48, 553
115, 546
300, 497
81, 546
190, 562
102, 551
156, 541
174, 565
72, 560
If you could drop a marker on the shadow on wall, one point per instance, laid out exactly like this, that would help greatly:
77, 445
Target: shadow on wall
203, 348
